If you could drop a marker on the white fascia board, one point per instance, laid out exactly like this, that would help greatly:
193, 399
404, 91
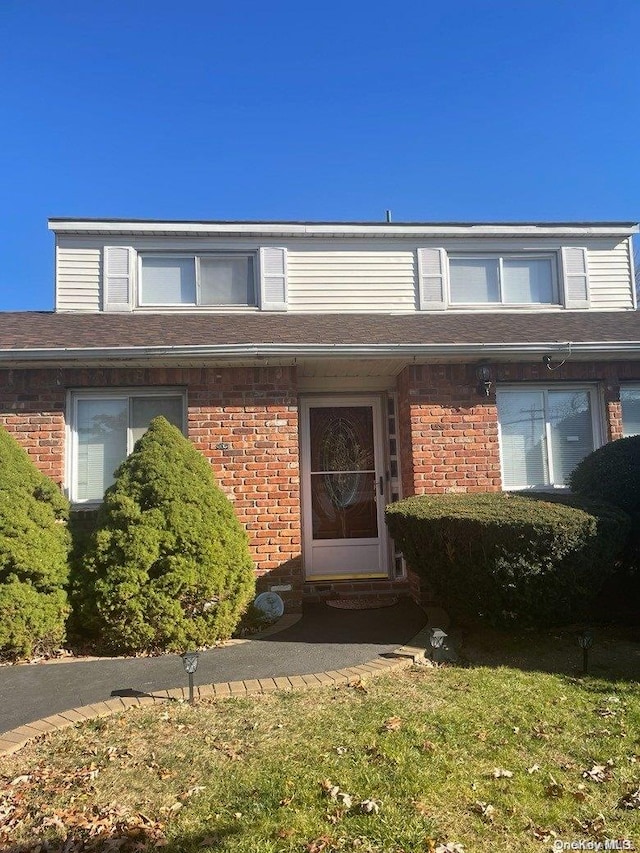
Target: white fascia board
236, 351
337, 229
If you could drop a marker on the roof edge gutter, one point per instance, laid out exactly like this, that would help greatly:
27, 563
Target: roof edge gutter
257, 351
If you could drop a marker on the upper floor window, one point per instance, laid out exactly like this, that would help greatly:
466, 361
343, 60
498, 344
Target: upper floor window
630, 403
197, 280
544, 433
503, 279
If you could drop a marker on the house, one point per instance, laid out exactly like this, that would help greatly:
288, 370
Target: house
328, 368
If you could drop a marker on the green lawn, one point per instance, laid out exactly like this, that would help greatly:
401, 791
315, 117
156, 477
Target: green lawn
491, 758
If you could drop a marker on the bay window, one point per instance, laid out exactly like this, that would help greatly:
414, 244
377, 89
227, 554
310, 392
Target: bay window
544, 433
503, 279
104, 426
188, 280
630, 404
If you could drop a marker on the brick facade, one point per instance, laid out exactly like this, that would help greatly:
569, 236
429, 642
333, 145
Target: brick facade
245, 421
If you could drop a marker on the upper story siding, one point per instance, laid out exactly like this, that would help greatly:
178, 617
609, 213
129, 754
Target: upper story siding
336, 273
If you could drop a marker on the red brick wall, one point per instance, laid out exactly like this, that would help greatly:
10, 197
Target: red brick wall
449, 432
254, 411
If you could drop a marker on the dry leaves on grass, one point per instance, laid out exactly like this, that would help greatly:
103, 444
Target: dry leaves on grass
500, 773
599, 772
485, 810
540, 833
392, 724
630, 800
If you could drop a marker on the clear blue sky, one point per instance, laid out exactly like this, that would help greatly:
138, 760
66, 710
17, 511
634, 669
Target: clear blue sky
230, 109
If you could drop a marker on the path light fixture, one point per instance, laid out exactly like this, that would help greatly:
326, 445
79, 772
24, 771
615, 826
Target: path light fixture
585, 641
190, 663
436, 639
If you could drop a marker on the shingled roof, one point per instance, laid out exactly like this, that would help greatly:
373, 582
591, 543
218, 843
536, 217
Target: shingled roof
40, 333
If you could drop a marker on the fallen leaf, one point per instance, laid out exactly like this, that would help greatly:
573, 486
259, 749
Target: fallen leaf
554, 789
318, 844
370, 806
598, 773
499, 773
428, 746
450, 847
392, 724
630, 800
285, 801
533, 769
485, 810
541, 834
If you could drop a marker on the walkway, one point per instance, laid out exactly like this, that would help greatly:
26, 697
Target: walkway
324, 639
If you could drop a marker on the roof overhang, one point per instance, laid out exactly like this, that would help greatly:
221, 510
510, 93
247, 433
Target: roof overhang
114, 227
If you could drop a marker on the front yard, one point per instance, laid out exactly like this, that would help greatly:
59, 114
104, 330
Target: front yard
493, 759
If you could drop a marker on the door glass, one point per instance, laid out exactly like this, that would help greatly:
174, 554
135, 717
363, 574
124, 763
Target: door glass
343, 477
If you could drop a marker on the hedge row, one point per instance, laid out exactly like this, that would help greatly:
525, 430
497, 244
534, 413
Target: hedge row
508, 557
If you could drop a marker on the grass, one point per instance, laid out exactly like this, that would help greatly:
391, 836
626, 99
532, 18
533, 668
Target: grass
255, 775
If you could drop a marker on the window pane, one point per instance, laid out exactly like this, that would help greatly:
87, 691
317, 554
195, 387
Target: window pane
145, 409
227, 281
523, 443
630, 399
102, 445
527, 280
474, 280
571, 431
168, 281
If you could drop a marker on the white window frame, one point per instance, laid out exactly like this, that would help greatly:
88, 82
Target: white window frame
597, 427
196, 257
628, 386
74, 396
500, 257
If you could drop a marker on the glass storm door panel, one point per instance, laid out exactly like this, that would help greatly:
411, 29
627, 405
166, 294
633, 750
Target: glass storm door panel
342, 495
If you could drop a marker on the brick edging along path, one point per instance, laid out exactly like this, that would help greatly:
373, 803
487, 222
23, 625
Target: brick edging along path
15, 739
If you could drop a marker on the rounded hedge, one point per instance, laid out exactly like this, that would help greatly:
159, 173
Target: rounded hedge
168, 566
34, 546
509, 557
611, 473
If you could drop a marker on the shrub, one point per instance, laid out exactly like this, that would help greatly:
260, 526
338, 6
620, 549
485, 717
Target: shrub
34, 544
611, 473
169, 565
509, 557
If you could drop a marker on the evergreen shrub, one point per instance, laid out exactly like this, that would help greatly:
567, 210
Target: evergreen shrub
611, 473
34, 544
508, 557
168, 566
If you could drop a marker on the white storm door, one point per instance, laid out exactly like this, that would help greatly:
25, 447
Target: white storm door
343, 487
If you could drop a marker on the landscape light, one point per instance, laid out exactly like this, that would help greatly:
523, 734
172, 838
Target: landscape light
585, 641
190, 663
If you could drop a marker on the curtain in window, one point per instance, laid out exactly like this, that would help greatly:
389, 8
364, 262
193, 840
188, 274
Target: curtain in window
630, 400
527, 280
226, 281
168, 281
474, 280
522, 430
102, 445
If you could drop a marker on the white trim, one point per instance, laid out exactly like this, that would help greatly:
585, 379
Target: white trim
632, 267
308, 544
323, 229
597, 424
74, 395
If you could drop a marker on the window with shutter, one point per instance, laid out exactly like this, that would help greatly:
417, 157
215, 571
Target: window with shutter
576, 277
117, 284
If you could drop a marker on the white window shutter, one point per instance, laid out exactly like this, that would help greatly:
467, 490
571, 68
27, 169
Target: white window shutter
575, 277
118, 278
432, 279
273, 279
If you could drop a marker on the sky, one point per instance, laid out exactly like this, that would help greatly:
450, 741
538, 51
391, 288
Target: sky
465, 110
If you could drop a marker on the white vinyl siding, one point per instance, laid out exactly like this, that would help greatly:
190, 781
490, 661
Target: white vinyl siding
630, 404
352, 280
331, 274
544, 433
78, 279
103, 430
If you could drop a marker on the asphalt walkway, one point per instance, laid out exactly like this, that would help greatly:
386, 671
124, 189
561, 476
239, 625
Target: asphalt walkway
324, 639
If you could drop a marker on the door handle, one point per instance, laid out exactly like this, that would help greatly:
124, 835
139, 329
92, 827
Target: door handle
381, 485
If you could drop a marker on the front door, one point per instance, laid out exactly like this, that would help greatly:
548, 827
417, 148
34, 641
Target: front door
343, 488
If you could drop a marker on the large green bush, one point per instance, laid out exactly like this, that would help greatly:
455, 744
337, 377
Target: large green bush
34, 544
169, 565
611, 473
509, 557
